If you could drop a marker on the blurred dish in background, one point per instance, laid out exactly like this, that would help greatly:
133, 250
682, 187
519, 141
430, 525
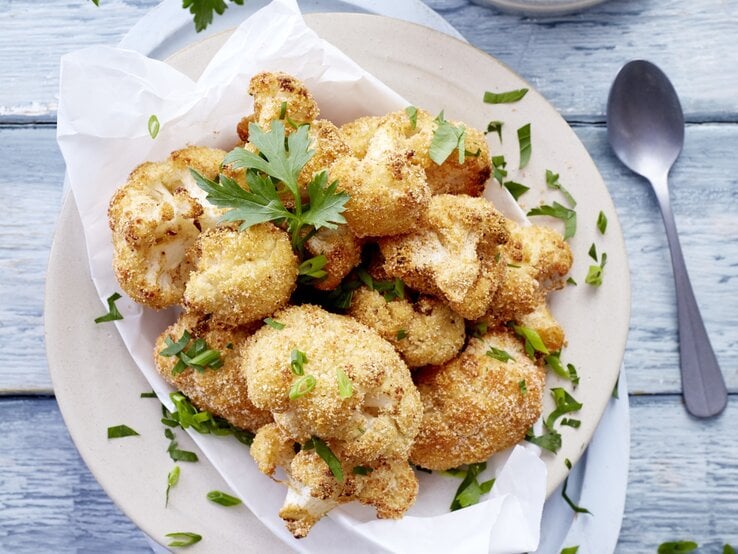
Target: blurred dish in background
540, 7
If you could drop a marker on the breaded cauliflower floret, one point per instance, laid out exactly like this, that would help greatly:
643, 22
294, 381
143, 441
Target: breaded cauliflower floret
342, 251
328, 144
542, 321
388, 192
379, 419
155, 218
425, 332
453, 255
475, 405
389, 486
222, 391
359, 132
536, 259
270, 90
241, 276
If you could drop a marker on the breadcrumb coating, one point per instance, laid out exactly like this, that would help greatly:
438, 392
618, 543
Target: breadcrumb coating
155, 218
390, 486
342, 251
424, 332
543, 322
379, 419
475, 405
453, 255
241, 276
223, 391
358, 133
270, 90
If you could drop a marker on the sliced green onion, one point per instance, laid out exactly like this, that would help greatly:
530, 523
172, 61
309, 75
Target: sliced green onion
504, 97
154, 126
302, 386
113, 313
345, 387
222, 498
183, 539
120, 431
274, 324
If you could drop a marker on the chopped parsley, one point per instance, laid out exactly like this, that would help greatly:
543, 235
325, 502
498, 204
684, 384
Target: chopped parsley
172, 480
525, 145
595, 272
391, 289
120, 431
565, 403
113, 313
186, 415
222, 498
401, 334
198, 356
202, 10
569, 217
362, 470
327, 455
552, 181
302, 386
495, 127
577, 509
549, 440
504, 97
412, 114
602, 222
676, 547
274, 324
345, 386
499, 355
470, 490
447, 138
278, 164
571, 281
182, 539
515, 189
154, 126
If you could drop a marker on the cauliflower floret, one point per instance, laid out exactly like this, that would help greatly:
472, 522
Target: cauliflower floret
536, 259
273, 90
241, 276
389, 486
476, 405
542, 321
425, 332
342, 251
453, 255
359, 132
155, 217
328, 144
381, 416
222, 391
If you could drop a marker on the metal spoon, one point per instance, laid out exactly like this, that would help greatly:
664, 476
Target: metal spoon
645, 126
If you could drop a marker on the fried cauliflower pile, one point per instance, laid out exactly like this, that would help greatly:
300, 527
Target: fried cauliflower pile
341, 290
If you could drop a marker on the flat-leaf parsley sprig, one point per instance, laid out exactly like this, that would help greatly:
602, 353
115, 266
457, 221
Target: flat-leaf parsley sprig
275, 169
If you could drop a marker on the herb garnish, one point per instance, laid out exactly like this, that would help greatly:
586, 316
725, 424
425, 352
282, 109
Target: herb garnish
569, 372
570, 550
533, 341
345, 386
186, 415
499, 355
154, 126
223, 498
202, 10
516, 189
412, 114
279, 163
593, 252
552, 181
312, 269
447, 138
615, 392
175, 453
182, 539
478, 330
549, 440
470, 489
391, 290
595, 272
302, 386
198, 356
504, 97
602, 222
565, 403
569, 217
523, 387
401, 334
113, 313
495, 127
297, 360
525, 145
120, 431
362, 470
327, 455
172, 480
274, 324
151, 394
498, 169
676, 547
571, 281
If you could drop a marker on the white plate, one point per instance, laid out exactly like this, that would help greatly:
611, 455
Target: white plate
97, 384
540, 7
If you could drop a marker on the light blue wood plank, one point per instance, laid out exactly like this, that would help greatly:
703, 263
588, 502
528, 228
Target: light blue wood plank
49, 501
570, 59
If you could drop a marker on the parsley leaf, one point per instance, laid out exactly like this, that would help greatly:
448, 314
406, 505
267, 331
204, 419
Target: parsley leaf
447, 138
552, 181
113, 313
549, 440
495, 127
202, 10
516, 189
120, 431
525, 145
470, 490
569, 217
504, 97
565, 403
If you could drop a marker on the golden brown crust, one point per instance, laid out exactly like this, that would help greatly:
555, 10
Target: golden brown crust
222, 391
453, 255
342, 251
155, 218
475, 405
425, 332
271, 89
379, 419
241, 276
542, 321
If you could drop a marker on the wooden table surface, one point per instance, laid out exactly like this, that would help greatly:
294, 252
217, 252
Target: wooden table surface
683, 481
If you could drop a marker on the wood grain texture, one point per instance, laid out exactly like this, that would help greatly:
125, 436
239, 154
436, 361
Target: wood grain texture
693, 42
681, 484
705, 196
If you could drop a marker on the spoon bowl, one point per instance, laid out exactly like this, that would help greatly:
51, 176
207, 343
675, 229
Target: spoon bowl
645, 127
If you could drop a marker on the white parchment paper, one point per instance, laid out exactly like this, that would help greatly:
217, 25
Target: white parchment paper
107, 96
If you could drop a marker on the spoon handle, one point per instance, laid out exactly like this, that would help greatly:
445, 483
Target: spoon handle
703, 387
